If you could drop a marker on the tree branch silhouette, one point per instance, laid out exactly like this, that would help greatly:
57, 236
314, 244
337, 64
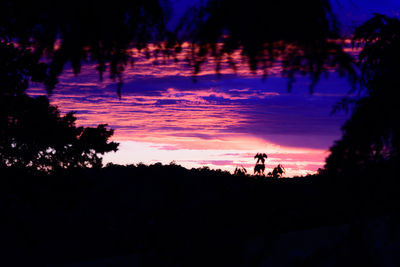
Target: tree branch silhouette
304, 41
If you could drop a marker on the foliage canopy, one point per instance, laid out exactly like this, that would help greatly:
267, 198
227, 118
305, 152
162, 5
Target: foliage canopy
371, 137
266, 33
33, 134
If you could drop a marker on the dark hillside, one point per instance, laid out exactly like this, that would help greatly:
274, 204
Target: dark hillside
170, 216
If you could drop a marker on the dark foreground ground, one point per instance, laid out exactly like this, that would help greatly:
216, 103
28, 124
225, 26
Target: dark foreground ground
170, 216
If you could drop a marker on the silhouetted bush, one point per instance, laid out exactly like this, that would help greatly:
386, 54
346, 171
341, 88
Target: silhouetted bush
277, 172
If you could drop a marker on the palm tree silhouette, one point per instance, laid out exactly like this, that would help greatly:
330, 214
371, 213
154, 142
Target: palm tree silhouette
260, 167
261, 157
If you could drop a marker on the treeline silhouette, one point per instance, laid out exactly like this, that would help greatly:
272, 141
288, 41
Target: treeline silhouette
166, 215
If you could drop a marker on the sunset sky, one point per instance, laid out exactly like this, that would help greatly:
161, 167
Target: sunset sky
220, 122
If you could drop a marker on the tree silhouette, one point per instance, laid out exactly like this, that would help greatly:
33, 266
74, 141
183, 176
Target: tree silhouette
38, 137
371, 137
277, 172
240, 171
33, 134
81, 31
261, 157
18, 67
267, 33
259, 168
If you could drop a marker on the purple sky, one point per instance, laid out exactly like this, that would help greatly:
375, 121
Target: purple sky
350, 13
218, 122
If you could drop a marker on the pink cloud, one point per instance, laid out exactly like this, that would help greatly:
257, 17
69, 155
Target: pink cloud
218, 122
